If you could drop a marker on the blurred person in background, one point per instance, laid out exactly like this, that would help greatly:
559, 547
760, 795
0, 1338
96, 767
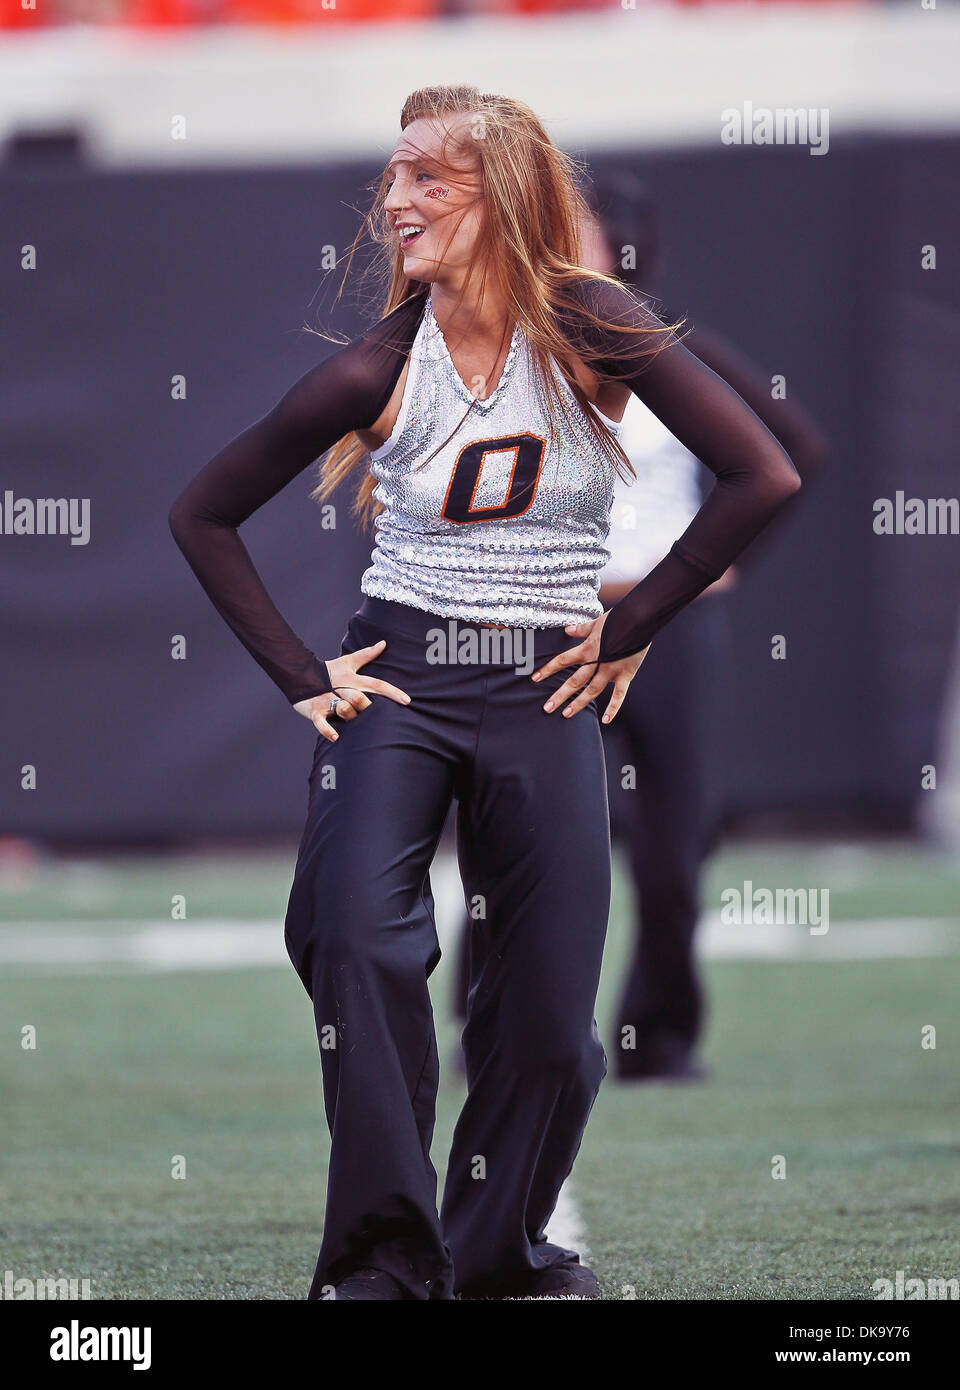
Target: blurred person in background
666, 752
494, 504
671, 733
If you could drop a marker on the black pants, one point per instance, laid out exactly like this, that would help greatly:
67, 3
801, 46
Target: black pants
666, 772
534, 852
665, 768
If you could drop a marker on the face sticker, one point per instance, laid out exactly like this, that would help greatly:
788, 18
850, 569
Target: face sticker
436, 192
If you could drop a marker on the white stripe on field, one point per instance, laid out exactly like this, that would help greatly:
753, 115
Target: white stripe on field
565, 1226
209, 943
90, 947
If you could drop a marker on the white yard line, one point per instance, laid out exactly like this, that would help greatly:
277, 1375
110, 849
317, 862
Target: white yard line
78, 948
894, 938
565, 1226
88, 946
85, 947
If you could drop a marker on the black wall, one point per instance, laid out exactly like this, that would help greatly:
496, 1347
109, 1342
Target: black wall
810, 264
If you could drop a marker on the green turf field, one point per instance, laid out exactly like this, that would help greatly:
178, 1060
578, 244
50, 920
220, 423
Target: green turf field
821, 1063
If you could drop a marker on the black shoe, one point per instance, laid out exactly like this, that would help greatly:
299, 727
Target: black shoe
369, 1284
570, 1280
563, 1281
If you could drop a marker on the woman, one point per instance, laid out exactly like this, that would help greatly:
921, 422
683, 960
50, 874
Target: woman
494, 503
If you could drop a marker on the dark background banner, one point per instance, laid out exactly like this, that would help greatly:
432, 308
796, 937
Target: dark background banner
812, 265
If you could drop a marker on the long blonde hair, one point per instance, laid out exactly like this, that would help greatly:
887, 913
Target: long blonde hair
533, 210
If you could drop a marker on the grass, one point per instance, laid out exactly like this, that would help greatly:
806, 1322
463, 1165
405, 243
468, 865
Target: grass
819, 1063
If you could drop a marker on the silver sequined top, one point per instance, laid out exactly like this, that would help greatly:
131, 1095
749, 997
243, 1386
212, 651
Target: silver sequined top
498, 526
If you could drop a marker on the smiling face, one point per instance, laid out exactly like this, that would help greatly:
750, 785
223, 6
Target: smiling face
433, 203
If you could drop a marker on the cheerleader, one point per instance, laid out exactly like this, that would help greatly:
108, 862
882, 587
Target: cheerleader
478, 418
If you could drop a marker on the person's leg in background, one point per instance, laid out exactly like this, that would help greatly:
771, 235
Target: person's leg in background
668, 732
533, 842
461, 975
